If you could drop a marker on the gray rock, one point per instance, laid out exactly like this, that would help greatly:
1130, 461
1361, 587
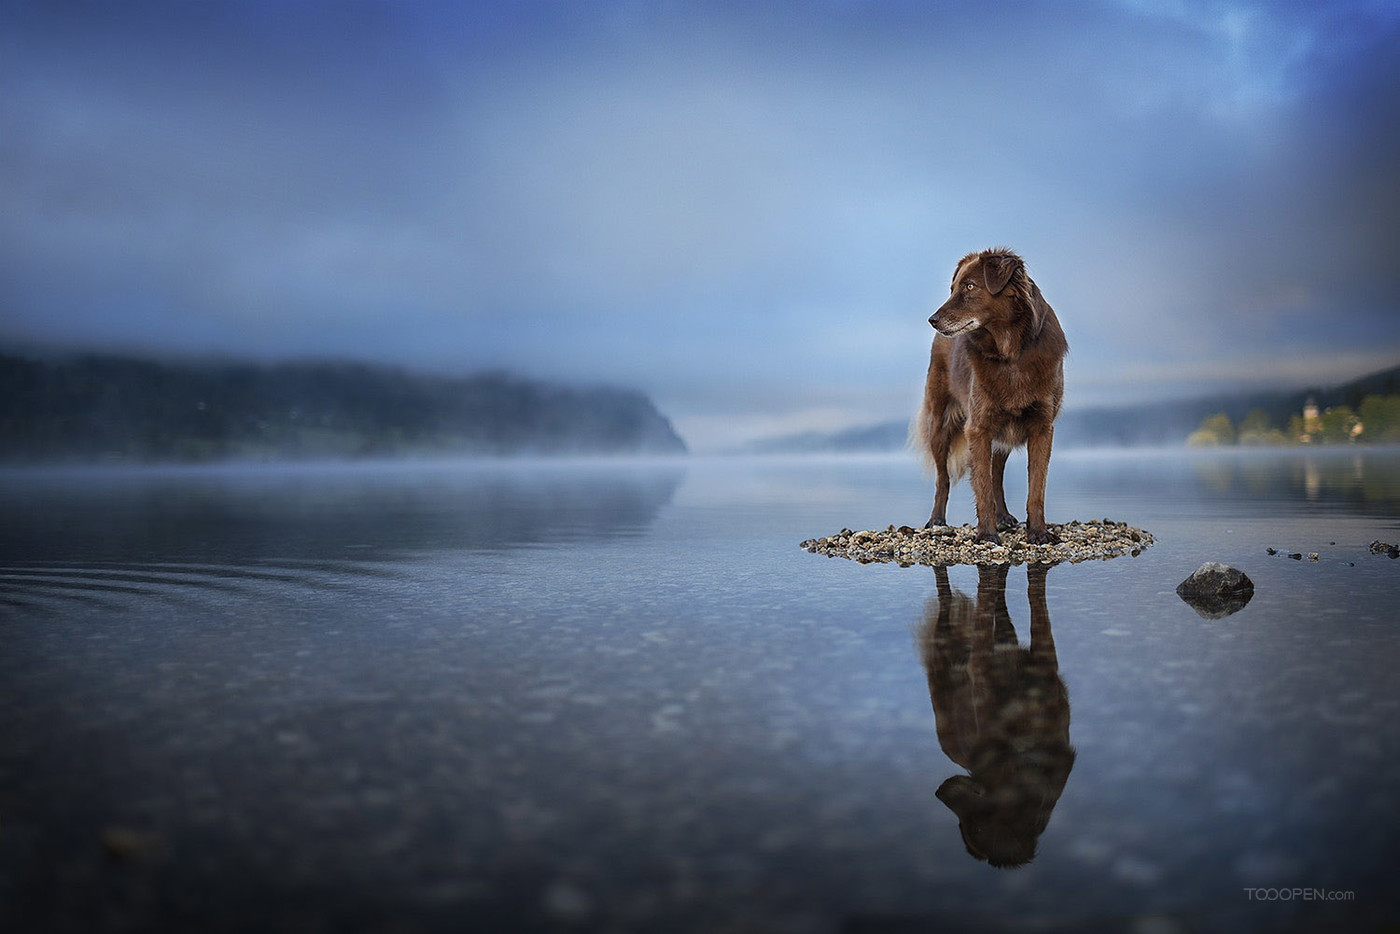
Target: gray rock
1216, 590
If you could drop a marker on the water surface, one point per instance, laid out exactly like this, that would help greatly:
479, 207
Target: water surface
617, 695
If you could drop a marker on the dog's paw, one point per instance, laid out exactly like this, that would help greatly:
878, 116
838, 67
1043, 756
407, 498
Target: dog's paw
990, 537
1041, 537
935, 524
1007, 521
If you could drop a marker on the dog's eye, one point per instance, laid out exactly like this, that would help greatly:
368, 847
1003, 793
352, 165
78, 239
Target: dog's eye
970, 285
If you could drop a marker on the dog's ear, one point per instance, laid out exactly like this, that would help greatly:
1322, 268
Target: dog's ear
998, 269
1038, 308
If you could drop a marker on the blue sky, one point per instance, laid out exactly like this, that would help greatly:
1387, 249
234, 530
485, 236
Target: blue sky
747, 210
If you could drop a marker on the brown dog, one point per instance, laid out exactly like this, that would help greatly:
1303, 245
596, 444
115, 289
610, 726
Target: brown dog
995, 382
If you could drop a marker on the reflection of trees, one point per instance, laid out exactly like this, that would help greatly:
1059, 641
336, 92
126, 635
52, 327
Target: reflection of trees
324, 513
1337, 476
1002, 713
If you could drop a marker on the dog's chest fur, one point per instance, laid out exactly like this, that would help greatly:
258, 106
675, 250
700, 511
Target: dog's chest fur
1006, 387
1012, 397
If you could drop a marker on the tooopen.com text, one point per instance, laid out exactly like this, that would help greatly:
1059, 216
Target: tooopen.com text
1298, 894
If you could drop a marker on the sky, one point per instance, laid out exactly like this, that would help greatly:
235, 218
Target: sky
747, 210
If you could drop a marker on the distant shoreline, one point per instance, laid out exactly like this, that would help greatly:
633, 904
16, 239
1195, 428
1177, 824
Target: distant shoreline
125, 411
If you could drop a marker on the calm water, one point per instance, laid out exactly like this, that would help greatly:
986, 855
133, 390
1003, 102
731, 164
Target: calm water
620, 697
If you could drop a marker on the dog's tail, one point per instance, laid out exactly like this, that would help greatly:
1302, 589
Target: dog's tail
958, 458
918, 440
921, 434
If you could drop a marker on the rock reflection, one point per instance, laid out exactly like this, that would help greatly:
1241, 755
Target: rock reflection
1002, 713
1216, 591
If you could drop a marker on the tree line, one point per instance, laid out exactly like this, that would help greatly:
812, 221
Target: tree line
1375, 421
104, 408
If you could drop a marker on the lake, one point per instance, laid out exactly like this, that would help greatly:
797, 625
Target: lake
618, 696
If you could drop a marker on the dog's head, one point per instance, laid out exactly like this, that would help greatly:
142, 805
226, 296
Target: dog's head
991, 290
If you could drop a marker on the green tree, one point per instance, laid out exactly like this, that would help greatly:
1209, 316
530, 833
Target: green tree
1338, 425
1380, 418
1257, 428
1256, 422
1215, 430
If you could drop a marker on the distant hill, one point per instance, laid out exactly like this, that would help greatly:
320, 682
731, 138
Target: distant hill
885, 436
107, 408
1155, 423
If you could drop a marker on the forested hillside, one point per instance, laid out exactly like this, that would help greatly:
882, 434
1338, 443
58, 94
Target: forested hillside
108, 408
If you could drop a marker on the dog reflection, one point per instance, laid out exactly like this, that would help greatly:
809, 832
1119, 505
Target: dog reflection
1002, 713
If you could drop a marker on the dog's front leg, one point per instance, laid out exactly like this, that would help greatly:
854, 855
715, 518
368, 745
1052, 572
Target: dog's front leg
1005, 520
979, 443
1038, 446
939, 516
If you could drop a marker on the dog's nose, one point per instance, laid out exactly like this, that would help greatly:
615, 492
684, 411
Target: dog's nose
933, 319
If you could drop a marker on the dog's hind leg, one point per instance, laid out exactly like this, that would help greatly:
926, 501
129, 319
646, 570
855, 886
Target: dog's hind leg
1005, 520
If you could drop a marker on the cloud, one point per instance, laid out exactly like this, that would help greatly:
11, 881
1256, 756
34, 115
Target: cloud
747, 212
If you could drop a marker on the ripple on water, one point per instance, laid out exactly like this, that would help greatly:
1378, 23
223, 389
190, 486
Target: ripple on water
47, 589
